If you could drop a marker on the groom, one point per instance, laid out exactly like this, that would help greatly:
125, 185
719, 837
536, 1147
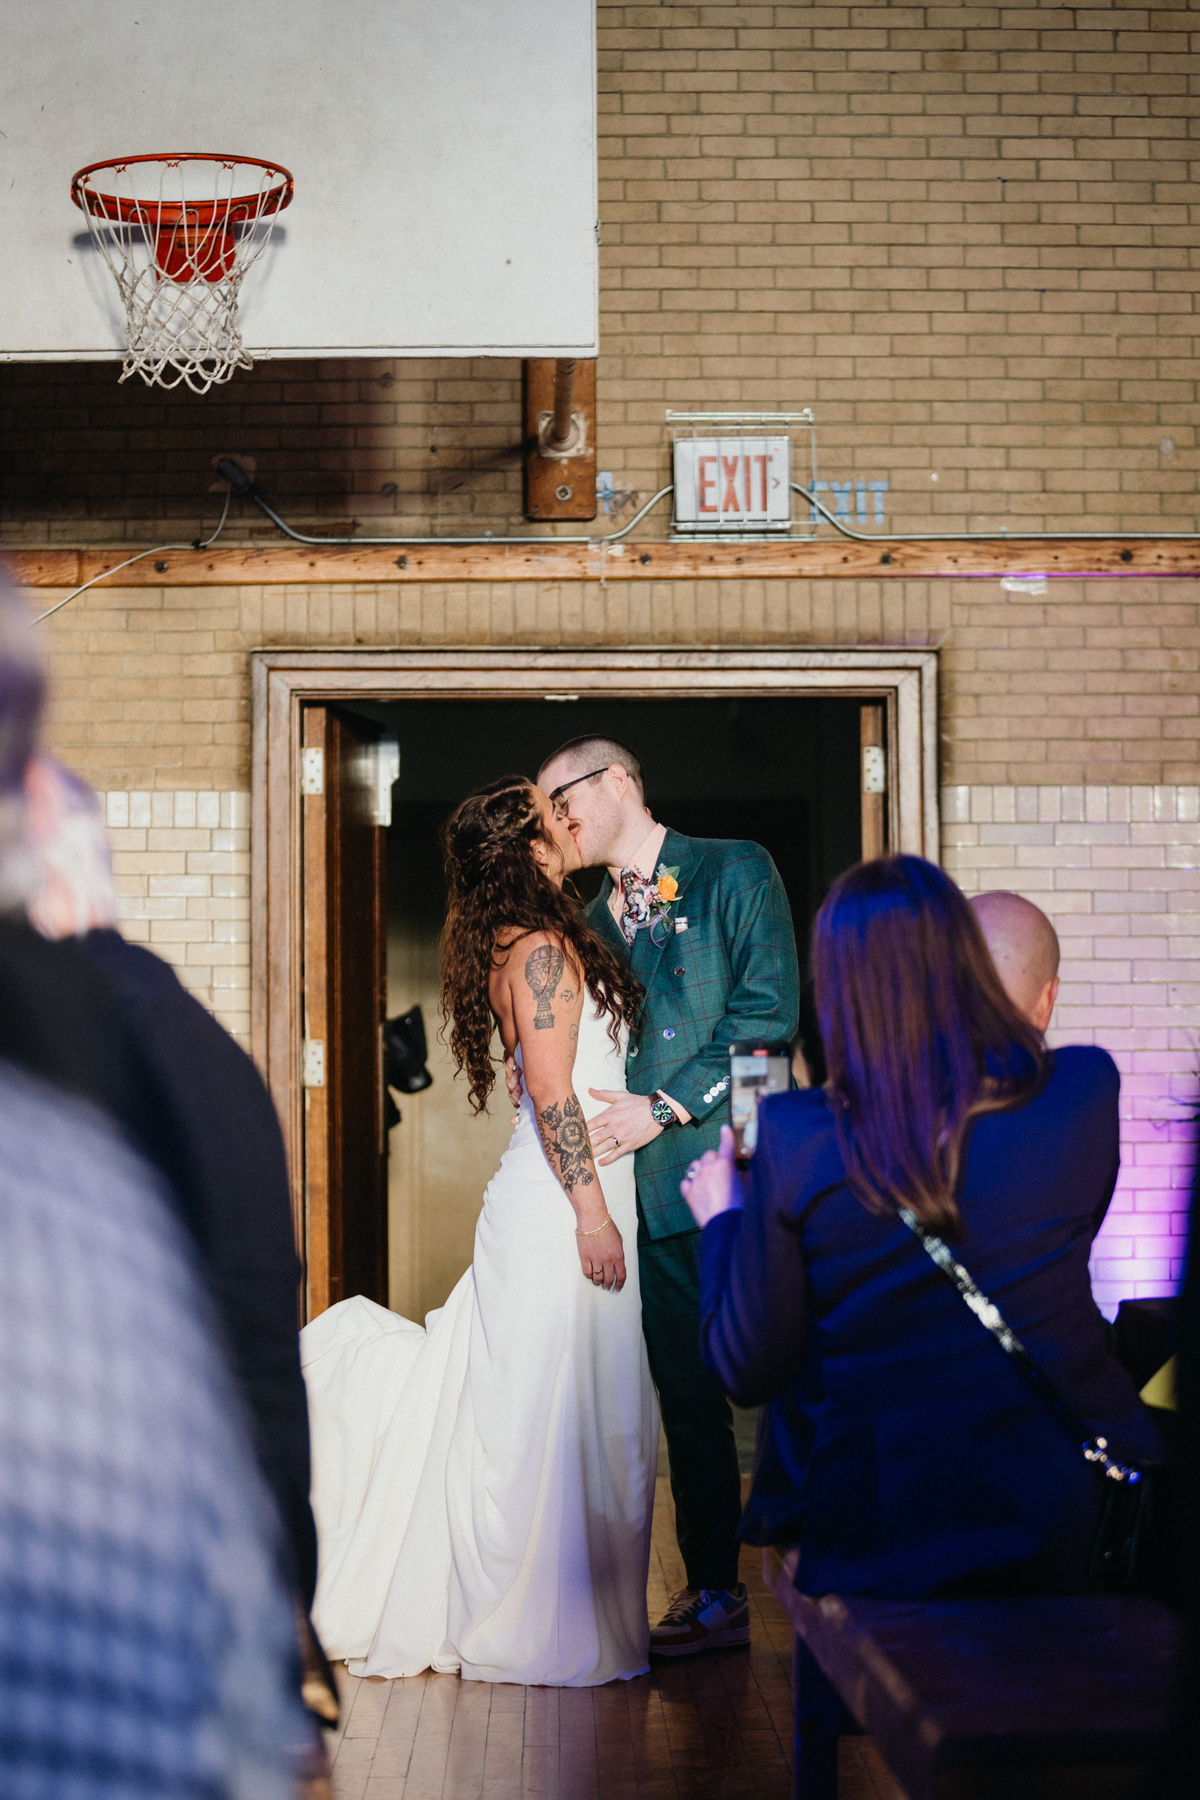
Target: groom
706, 926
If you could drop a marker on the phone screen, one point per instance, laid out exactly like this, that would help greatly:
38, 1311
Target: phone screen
754, 1070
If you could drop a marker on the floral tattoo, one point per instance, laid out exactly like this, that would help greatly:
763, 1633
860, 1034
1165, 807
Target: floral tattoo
565, 1136
543, 967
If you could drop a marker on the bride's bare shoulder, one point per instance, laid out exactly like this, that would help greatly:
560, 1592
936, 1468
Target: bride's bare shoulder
510, 936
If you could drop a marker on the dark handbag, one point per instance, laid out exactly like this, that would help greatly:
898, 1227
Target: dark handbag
1125, 1558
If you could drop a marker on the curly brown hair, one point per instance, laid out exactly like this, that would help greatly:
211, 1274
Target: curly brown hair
495, 885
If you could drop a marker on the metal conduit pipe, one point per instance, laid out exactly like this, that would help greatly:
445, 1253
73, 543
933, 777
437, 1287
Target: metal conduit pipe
980, 537
238, 479
240, 482
564, 394
244, 486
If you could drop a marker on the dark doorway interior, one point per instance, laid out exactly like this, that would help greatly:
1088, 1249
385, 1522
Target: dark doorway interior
785, 772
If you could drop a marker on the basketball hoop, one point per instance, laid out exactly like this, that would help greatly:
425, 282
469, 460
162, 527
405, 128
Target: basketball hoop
179, 257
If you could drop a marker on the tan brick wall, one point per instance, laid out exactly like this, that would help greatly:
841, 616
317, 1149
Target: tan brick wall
1118, 870
965, 234
1096, 681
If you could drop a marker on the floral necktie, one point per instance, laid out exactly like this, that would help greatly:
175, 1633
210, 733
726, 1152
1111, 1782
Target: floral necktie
638, 891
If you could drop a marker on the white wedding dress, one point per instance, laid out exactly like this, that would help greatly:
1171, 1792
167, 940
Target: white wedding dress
483, 1487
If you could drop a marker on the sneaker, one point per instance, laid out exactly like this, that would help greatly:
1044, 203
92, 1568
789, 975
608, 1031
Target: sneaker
702, 1619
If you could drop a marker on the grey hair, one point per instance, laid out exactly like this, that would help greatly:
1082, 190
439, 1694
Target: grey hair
22, 693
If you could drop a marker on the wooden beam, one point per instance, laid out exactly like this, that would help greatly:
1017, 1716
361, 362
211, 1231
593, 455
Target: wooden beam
563, 391
639, 560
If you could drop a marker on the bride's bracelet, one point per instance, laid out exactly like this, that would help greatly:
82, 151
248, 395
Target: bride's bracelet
597, 1230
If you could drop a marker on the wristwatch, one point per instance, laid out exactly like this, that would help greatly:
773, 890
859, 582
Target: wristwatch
662, 1112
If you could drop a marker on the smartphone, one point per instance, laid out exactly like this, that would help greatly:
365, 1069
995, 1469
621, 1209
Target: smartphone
754, 1070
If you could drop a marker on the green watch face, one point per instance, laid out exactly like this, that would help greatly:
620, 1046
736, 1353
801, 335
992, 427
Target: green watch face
662, 1113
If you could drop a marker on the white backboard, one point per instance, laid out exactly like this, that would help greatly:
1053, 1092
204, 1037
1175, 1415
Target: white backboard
444, 153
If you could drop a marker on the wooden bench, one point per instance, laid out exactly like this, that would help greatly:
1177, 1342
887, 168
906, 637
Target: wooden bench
1058, 1698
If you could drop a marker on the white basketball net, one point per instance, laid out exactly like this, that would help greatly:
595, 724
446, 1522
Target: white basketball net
179, 234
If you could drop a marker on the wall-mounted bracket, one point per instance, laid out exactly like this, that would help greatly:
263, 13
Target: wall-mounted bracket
560, 438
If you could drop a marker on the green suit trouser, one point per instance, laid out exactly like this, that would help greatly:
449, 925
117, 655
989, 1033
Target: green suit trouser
697, 1421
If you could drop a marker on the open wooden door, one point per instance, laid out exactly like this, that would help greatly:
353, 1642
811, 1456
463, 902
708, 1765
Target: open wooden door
873, 739
345, 992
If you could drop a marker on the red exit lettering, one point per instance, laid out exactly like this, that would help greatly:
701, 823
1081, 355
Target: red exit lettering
705, 483
737, 485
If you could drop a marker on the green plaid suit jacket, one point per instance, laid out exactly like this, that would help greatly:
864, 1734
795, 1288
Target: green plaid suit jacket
729, 973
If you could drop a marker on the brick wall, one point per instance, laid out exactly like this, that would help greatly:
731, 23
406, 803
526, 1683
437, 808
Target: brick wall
965, 234
182, 866
1118, 870
1096, 681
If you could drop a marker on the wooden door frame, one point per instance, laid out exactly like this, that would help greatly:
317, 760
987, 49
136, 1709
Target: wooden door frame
284, 680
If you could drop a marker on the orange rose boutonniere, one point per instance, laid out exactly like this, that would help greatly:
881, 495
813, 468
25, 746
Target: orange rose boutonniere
659, 898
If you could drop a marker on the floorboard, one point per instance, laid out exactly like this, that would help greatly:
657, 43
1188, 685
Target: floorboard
713, 1727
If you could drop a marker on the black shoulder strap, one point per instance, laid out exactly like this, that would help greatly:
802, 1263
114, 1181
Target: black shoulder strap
1095, 1449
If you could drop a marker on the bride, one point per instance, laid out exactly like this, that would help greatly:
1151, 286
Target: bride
483, 1487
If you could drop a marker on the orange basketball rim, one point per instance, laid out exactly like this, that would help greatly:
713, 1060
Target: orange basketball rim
195, 239
178, 233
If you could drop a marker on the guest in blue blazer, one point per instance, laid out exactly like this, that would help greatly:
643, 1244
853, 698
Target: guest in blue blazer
901, 1448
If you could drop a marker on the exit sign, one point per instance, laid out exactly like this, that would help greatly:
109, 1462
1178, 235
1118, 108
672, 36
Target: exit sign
733, 483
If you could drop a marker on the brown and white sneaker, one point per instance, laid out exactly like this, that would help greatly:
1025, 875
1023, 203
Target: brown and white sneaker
702, 1619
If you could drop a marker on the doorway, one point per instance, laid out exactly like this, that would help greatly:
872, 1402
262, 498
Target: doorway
782, 771
762, 744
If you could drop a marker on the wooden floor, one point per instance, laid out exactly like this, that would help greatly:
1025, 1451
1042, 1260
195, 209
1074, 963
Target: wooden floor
713, 1727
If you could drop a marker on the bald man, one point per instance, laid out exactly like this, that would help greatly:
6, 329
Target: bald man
1024, 947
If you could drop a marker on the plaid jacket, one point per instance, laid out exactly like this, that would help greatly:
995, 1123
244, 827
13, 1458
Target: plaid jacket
719, 965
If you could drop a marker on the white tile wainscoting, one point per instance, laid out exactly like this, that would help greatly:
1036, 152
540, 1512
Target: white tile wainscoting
182, 865
1117, 870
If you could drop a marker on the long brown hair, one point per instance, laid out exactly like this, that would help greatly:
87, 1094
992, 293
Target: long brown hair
919, 1035
495, 885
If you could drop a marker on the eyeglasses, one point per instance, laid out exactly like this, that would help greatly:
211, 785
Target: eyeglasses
558, 806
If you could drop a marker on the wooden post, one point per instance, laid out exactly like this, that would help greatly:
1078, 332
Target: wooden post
560, 455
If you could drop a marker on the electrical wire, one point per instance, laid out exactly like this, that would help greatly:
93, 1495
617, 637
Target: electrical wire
990, 537
246, 488
155, 550
249, 492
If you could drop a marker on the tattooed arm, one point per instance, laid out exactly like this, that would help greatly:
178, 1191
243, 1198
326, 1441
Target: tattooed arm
546, 996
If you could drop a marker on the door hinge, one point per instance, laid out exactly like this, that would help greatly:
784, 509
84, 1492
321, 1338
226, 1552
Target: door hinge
312, 771
387, 773
874, 769
314, 1062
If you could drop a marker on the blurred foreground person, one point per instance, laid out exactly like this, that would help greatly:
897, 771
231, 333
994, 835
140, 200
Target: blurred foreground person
1023, 945
198, 1106
147, 1644
906, 1453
